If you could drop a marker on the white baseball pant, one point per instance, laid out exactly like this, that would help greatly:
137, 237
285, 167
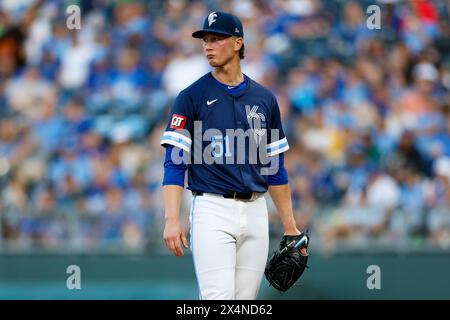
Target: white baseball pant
229, 242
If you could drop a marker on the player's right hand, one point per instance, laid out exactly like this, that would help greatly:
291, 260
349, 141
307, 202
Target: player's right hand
174, 235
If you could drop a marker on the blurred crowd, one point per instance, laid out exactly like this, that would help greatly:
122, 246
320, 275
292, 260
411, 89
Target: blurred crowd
366, 111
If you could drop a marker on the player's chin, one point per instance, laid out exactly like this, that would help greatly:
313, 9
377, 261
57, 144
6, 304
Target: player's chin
214, 62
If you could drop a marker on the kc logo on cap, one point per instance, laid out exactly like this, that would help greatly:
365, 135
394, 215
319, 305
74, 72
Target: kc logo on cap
212, 18
221, 23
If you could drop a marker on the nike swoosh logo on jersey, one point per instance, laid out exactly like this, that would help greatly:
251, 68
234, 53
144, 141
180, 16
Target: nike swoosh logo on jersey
211, 102
230, 87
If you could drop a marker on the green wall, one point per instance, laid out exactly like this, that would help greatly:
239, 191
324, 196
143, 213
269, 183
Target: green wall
343, 276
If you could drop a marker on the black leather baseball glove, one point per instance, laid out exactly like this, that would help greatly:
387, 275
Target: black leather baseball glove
287, 264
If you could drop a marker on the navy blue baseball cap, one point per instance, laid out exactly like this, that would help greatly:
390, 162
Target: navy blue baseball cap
221, 23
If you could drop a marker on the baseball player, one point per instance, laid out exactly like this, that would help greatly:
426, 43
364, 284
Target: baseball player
228, 221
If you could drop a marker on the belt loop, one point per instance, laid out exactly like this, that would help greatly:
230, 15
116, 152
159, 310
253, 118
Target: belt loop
234, 195
255, 195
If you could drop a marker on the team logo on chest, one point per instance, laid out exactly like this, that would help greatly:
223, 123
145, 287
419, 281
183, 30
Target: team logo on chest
256, 121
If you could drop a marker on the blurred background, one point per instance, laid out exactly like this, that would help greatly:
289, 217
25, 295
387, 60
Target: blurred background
366, 112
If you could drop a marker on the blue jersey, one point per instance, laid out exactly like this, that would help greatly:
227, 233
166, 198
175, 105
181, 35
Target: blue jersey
253, 109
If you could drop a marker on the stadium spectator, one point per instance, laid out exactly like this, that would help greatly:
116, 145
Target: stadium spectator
366, 112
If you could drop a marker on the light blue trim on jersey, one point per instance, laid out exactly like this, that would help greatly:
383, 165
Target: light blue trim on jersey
234, 89
192, 246
177, 140
278, 149
281, 146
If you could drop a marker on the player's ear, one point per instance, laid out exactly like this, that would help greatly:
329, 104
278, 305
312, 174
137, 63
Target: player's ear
238, 43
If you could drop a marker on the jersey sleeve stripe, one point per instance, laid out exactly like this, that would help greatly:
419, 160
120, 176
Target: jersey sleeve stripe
176, 142
278, 149
177, 136
276, 143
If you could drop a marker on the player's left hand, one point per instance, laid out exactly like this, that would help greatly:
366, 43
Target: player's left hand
296, 232
287, 264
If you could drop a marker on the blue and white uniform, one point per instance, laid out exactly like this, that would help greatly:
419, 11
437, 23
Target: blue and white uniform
229, 238
229, 221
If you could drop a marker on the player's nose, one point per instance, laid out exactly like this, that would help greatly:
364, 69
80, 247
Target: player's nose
207, 47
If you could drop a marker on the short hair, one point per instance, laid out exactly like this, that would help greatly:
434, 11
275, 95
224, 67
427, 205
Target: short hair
242, 49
